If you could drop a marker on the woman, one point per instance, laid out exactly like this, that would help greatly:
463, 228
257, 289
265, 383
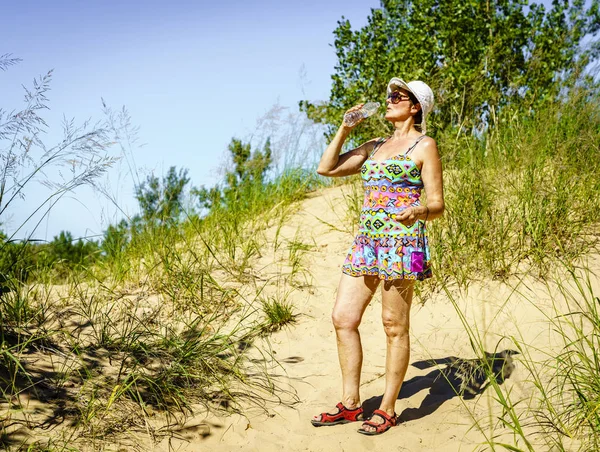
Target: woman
391, 244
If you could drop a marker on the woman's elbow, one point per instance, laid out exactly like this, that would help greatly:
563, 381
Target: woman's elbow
435, 209
323, 172
441, 209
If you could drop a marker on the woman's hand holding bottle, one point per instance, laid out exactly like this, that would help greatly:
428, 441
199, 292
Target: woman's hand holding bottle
358, 113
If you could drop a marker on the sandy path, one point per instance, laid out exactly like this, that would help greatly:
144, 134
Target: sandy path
307, 352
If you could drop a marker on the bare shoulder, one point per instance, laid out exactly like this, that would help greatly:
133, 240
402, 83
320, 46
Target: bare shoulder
427, 149
429, 145
368, 146
364, 149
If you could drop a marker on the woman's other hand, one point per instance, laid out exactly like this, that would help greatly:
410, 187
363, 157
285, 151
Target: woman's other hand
409, 216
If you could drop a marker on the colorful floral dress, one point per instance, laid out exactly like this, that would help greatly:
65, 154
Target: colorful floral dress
384, 247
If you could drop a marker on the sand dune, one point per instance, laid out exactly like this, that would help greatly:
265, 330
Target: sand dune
306, 351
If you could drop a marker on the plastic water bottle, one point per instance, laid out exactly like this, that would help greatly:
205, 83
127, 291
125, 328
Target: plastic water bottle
367, 110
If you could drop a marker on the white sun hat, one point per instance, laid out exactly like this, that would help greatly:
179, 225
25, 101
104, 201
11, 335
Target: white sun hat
420, 90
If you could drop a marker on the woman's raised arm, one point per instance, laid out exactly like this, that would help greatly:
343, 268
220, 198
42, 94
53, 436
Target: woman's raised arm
333, 164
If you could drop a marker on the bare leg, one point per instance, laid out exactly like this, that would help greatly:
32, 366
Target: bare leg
354, 294
396, 301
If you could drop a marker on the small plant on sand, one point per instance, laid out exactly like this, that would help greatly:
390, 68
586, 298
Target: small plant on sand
278, 313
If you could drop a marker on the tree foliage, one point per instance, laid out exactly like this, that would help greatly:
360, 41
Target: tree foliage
16, 259
249, 171
69, 252
162, 200
22, 260
116, 238
477, 56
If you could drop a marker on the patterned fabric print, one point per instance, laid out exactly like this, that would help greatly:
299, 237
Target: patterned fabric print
384, 247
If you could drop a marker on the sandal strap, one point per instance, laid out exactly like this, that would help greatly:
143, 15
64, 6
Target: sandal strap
388, 421
373, 424
386, 417
343, 412
379, 428
341, 408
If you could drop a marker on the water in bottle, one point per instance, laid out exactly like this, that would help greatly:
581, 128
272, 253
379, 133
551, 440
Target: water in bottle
367, 110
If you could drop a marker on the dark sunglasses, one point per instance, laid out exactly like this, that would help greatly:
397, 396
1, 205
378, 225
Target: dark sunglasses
396, 96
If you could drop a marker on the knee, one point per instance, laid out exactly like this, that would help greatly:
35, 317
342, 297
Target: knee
343, 320
394, 328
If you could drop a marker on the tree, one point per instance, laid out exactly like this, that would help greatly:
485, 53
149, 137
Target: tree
65, 250
477, 57
115, 239
161, 200
249, 172
17, 259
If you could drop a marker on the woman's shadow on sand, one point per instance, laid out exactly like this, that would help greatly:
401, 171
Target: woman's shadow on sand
460, 377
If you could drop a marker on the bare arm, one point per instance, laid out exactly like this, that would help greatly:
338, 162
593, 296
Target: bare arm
431, 173
333, 164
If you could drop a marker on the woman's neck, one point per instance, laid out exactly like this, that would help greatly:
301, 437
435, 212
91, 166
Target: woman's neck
403, 129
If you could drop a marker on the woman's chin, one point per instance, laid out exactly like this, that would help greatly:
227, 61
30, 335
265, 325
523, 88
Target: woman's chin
390, 116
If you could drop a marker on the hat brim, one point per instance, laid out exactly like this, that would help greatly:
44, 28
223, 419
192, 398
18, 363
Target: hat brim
399, 83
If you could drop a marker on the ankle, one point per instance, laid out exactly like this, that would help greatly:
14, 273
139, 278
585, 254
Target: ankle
351, 403
390, 411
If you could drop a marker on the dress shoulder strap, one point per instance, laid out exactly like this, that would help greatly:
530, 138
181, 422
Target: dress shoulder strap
414, 145
378, 144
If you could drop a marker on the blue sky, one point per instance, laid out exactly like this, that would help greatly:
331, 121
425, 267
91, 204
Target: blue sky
193, 74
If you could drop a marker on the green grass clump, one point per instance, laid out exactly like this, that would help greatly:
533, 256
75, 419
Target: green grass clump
278, 313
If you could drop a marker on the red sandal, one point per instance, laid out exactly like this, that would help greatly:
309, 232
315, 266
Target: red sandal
343, 416
388, 422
